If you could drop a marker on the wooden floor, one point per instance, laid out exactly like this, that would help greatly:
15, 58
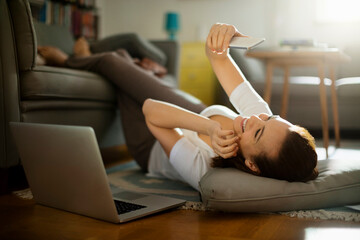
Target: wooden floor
23, 219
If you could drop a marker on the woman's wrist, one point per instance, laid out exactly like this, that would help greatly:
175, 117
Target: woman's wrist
215, 56
212, 126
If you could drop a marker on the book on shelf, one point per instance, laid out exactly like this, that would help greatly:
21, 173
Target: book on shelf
55, 13
36, 2
79, 15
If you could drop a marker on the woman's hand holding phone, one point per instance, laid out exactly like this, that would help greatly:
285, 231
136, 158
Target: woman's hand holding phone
218, 40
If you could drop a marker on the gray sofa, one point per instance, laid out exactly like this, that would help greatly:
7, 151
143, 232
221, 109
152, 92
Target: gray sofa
43, 94
304, 100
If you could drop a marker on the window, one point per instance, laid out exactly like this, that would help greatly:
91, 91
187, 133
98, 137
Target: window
337, 11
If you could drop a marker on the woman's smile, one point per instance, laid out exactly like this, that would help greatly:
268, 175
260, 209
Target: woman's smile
240, 125
243, 124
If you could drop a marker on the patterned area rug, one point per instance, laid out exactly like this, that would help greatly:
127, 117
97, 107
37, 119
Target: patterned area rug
345, 214
128, 176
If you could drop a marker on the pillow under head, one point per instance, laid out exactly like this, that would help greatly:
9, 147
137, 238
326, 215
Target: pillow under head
338, 184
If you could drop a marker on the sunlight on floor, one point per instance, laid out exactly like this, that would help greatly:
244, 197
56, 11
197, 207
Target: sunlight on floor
349, 149
336, 153
332, 233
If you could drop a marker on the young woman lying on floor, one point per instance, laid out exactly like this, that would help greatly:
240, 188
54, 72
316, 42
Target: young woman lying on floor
186, 139
255, 141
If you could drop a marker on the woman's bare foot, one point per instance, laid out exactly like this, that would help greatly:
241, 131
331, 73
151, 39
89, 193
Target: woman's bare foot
82, 48
52, 55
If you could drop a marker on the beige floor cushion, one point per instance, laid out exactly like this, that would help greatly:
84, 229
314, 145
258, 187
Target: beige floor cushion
338, 184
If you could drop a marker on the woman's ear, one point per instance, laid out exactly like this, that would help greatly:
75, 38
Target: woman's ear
252, 166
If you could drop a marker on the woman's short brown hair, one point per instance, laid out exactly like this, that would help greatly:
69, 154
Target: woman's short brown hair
296, 161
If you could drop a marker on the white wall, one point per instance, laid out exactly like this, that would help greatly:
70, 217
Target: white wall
196, 17
272, 19
297, 19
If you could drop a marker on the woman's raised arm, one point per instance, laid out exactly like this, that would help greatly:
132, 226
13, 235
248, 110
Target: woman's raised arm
226, 70
163, 118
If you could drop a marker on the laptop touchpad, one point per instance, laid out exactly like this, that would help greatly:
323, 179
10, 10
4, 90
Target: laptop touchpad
128, 195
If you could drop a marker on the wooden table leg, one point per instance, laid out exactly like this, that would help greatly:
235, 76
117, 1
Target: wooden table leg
324, 115
285, 96
269, 74
335, 106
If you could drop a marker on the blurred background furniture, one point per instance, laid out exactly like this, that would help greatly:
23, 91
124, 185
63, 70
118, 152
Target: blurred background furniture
196, 75
304, 106
53, 95
318, 58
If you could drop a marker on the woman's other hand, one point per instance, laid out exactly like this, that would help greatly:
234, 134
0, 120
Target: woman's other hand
218, 40
224, 142
152, 66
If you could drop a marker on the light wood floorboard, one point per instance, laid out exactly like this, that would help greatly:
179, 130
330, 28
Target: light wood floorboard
24, 219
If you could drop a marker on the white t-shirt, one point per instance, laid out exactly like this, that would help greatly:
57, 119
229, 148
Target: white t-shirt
190, 158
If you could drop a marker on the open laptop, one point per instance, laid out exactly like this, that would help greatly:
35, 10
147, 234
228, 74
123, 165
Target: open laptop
65, 170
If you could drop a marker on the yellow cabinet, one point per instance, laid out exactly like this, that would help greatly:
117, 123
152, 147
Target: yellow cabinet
196, 74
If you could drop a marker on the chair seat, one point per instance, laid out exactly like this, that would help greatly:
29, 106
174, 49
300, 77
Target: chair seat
45, 82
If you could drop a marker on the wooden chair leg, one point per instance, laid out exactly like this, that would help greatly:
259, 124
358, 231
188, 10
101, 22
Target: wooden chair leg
269, 73
285, 96
335, 107
323, 103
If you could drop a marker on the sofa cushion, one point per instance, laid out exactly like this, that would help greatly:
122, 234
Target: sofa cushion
348, 90
54, 35
338, 184
53, 105
45, 82
304, 100
253, 69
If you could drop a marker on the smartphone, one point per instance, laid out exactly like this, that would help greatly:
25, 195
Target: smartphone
245, 42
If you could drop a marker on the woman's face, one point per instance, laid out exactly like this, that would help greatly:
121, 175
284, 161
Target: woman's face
261, 134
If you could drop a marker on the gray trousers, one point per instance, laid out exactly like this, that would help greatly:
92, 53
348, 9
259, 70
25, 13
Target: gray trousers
134, 86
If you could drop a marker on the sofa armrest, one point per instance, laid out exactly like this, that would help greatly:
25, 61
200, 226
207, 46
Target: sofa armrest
171, 50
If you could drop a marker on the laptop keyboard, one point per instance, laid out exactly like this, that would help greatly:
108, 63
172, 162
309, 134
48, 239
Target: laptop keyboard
125, 207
